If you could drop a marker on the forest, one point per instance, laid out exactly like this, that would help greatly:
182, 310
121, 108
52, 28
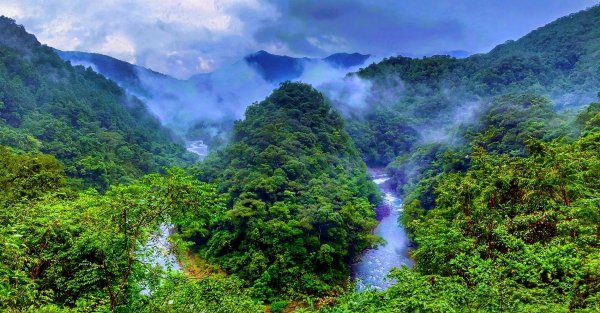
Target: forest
496, 156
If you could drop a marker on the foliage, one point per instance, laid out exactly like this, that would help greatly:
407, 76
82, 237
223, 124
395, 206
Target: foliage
278, 306
299, 202
502, 204
516, 229
215, 294
76, 115
82, 250
413, 100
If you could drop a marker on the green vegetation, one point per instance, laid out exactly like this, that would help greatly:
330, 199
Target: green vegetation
66, 128
299, 202
80, 117
65, 250
502, 190
410, 96
515, 232
503, 203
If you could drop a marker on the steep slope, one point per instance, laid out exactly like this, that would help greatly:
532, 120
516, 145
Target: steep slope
501, 188
204, 106
299, 201
127, 75
85, 120
425, 97
561, 57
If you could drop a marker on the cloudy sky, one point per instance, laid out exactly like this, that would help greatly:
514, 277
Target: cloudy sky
185, 37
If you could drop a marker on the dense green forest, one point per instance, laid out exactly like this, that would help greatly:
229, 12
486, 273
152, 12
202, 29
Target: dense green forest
497, 157
289, 203
299, 201
558, 61
64, 250
506, 223
86, 121
499, 166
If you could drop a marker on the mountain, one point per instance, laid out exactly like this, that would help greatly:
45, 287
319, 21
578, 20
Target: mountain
559, 60
126, 74
415, 100
346, 60
271, 67
100, 134
278, 68
204, 106
299, 205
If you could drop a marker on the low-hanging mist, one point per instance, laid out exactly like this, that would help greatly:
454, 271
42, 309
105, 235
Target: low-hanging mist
205, 106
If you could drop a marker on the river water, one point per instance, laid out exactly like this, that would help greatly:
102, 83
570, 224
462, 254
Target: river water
160, 247
160, 253
198, 147
375, 264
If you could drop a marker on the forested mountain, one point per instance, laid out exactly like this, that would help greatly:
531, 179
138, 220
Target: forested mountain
299, 202
501, 183
100, 134
496, 156
558, 59
65, 128
508, 222
127, 75
204, 106
412, 97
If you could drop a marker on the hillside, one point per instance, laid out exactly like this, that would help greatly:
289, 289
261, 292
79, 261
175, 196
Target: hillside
299, 201
100, 134
204, 106
415, 101
497, 158
127, 75
558, 59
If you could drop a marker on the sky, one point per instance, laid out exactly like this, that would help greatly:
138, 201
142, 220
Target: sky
182, 38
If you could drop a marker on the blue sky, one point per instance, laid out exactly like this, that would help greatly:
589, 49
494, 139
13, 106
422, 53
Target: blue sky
185, 37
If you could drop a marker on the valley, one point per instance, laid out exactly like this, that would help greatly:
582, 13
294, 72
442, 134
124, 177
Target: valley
289, 161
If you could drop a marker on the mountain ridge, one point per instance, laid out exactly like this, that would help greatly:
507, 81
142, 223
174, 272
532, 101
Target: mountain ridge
101, 134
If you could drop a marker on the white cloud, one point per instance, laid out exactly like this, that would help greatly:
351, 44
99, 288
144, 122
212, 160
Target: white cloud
179, 38
183, 37
11, 10
118, 45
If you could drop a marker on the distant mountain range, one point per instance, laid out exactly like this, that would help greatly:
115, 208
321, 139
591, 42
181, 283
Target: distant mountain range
125, 74
223, 93
278, 68
271, 67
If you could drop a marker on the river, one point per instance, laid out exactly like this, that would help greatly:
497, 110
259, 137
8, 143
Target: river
375, 264
160, 253
161, 248
198, 147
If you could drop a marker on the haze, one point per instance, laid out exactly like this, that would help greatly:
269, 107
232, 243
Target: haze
182, 38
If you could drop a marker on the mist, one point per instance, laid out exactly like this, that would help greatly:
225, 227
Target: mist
205, 106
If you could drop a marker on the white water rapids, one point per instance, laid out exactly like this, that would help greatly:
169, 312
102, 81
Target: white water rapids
375, 264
